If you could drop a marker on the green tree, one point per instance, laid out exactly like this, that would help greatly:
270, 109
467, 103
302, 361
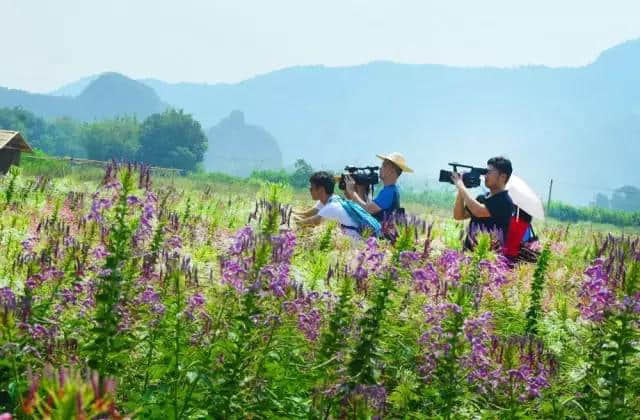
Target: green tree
60, 137
300, 177
33, 128
626, 198
64, 138
172, 139
112, 139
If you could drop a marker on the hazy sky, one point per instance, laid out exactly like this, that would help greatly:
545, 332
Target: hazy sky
46, 43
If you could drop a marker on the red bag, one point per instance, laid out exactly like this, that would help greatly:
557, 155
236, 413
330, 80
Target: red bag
517, 229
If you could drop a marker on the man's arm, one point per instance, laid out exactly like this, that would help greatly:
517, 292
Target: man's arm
459, 212
305, 213
476, 208
352, 195
310, 221
371, 207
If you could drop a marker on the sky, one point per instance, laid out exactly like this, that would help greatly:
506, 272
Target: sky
47, 43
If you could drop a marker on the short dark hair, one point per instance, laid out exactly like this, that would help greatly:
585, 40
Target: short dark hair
502, 164
323, 179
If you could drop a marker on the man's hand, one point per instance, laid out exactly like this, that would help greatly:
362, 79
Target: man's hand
464, 199
301, 214
309, 221
350, 185
456, 178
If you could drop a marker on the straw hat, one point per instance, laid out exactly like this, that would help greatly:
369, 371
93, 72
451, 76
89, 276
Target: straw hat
398, 159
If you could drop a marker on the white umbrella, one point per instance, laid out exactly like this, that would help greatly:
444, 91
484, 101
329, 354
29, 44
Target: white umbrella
524, 197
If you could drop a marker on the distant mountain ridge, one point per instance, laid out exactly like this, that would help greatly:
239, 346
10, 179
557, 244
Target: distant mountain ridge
237, 148
74, 88
579, 126
104, 96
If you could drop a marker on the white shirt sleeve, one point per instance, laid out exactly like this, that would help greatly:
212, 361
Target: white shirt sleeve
334, 211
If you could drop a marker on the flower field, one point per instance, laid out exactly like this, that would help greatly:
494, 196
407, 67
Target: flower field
132, 296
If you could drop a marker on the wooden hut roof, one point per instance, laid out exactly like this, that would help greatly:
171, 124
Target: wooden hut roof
16, 140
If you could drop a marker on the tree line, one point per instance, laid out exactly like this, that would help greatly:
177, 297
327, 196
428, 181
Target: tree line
169, 139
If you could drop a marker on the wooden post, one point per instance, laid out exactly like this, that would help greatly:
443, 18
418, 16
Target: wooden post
549, 196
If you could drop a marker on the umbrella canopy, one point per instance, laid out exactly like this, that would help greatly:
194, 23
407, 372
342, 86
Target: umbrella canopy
524, 197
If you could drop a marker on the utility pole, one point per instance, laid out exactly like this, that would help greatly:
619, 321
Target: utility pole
549, 196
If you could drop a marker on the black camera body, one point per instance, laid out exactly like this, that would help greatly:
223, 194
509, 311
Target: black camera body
470, 179
366, 176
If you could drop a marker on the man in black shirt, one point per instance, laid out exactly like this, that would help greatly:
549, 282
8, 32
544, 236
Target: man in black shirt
491, 212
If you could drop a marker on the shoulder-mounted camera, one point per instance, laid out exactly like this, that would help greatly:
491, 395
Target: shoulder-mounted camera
470, 179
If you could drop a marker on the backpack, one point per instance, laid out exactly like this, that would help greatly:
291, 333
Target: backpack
360, 216
520, 235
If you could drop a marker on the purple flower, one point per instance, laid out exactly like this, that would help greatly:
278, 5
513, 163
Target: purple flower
114, 184
158, 308
33, 281
434, 339
632, 303
39, 332
478, 333
436, 313
309, 323
278, 276
496, 274
367, 262
234, 274
451, 261
597, 297
424, 278
28, 244
145, 229
132, 200
174, 242
149, 296
100, 252
67, 296
283, 246
195, 302
309, 317
375, 394
408, 258
98, 206
242, 240
7, 302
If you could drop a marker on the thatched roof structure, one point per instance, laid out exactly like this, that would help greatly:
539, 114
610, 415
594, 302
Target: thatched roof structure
14, 140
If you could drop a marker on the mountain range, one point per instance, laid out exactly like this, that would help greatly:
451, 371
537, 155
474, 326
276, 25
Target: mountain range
104, 96
579, 126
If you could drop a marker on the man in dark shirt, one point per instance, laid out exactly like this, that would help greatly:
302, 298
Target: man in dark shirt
491, 212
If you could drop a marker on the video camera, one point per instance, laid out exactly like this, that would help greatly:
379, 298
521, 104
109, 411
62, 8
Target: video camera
366, 176
470, 179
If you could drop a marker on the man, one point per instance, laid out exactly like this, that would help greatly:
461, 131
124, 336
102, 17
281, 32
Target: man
321, 186
388, 199
490, 212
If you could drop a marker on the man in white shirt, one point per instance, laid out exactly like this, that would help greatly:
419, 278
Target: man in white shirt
321, 186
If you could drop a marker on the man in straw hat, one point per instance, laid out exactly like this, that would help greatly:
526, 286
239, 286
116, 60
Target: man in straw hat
388, 199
